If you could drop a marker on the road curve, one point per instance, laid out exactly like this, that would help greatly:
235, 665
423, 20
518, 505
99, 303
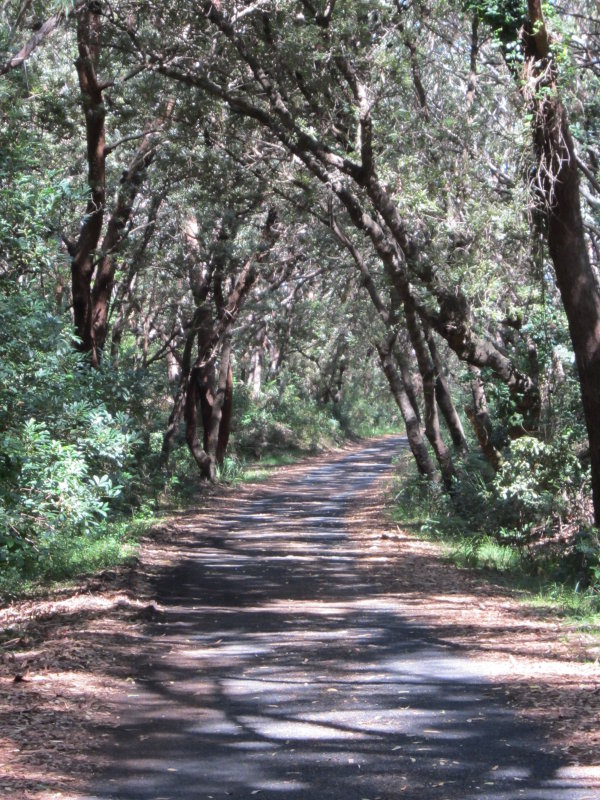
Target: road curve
285, 673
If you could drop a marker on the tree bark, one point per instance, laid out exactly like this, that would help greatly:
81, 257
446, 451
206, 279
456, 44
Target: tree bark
218, 428
479, 418
82, 252
408, 380
444, 399
91, 304
195, 388
215, 397
225, 426
558, 191
428, 375
42, 33
414, 432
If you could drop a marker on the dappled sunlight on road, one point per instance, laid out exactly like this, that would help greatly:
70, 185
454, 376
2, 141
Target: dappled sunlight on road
286, 670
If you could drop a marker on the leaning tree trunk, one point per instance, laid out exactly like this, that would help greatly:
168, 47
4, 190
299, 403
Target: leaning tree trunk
414, 432
479, 419
557, 187
444, 399
428, 375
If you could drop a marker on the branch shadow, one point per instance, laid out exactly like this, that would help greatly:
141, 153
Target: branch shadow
282, 669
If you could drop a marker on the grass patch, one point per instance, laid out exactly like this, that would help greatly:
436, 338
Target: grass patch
505, 566
260, 471
71, 557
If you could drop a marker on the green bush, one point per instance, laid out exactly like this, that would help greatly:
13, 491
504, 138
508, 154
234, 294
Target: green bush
533, 515
66, 454
538, 484
281, 419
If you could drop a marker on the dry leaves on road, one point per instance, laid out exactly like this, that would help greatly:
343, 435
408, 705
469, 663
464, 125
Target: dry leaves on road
65, 660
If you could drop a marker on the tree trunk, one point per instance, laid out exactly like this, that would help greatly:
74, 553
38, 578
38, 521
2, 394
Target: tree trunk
479, 418
218, 428
444, 400
91, 304
428, 375
175, 418
557, 187
414, 432
408, 380
195, 389
82, 251
177, 411
256, 362
216, 401
225, 426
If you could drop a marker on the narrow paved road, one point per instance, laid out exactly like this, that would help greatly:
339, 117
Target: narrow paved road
287, 674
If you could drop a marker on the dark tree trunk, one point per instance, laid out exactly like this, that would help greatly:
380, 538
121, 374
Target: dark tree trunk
101, 292
215, 397
82, 251
557, 187
225, 426
414, 432
177, 411
479, 418
195, 389
215, 400
91, 304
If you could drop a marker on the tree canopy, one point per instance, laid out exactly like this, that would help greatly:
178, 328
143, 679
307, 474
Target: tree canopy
288, 220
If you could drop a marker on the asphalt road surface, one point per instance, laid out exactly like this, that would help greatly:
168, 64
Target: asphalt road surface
286, 674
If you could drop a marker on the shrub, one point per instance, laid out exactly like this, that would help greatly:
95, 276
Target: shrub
65, 454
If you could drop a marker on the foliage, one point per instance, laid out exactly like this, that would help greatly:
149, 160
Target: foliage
281, 419
539, 483
532, 517
66, 451
274, 111
505, 17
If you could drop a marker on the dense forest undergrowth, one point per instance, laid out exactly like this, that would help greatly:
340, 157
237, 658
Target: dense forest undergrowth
233, 231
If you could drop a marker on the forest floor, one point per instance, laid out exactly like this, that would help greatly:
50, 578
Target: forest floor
71, 663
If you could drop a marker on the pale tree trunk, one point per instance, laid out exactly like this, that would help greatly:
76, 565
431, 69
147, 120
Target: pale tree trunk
255, 373
173, 368
444, 399
38, 38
